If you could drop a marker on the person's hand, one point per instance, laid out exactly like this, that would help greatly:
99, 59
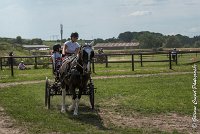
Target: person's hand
77, 56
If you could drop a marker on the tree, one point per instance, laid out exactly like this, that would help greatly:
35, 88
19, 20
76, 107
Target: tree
99, 40
149, 40
173, 42
197, 44
36, 41
125, 37
19, 40
112, 40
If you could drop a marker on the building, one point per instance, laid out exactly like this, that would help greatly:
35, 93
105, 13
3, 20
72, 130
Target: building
117, 46
36, 47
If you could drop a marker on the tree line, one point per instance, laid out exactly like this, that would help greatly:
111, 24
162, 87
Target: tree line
149, 40
19, 40
152, 40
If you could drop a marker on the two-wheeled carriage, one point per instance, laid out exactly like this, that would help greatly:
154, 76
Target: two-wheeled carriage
53, 89
56, 87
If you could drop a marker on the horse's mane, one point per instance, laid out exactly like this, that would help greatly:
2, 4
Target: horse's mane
67, 62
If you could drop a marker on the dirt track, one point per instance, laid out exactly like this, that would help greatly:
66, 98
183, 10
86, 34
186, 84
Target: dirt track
7, 125
164, 122
3, 85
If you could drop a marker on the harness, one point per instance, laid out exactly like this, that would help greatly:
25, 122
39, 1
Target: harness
71, 66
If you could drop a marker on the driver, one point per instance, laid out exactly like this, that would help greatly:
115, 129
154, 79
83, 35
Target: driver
71, 47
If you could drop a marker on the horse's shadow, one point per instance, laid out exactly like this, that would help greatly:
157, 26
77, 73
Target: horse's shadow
87, 116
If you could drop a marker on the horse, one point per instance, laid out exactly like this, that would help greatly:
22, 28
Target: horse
75, 75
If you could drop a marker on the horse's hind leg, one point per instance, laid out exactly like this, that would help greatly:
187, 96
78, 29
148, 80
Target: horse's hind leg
63, 100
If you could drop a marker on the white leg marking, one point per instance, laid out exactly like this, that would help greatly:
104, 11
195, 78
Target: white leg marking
63, 101
72, 106
76, 107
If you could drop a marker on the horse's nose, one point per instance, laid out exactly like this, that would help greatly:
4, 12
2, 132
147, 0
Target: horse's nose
88, 66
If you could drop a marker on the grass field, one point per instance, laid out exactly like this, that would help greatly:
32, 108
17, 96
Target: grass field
100, 70
120, 98
24, 75
145, 96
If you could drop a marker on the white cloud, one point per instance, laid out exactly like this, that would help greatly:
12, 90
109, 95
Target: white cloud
140, 13
151, 2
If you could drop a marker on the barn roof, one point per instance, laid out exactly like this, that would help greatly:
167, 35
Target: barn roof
135, 44
117, 46
35, 47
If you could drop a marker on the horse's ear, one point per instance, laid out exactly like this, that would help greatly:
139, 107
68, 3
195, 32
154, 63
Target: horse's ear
81, 47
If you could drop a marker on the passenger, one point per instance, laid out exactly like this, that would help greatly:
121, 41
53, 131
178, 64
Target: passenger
56, 57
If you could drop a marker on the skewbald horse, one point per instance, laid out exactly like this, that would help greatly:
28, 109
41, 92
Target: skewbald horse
76, 73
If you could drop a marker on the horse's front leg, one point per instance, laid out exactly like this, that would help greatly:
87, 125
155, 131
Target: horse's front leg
72, 106
77, 101
63, 100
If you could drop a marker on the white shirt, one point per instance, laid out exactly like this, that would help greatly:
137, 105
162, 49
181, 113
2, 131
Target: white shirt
71, 46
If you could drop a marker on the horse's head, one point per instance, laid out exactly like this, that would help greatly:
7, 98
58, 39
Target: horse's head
86, 54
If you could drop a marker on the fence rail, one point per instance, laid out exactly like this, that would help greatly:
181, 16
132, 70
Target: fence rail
36, 60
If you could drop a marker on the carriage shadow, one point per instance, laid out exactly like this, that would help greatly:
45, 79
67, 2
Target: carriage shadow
87, 116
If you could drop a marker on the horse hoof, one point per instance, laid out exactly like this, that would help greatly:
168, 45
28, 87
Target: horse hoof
63, 111
70, 108
75, 114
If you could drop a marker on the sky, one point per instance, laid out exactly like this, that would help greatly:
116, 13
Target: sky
97, 18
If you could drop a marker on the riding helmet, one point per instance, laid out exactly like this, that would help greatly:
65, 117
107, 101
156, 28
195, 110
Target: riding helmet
75, 34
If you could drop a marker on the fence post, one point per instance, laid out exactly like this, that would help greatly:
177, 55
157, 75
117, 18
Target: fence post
170, 61
1, 63
106, 60
35, 62
11, 65
141, 60
132, 62
93, 66
176, 59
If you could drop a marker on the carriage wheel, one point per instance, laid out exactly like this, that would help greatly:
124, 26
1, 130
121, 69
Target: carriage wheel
92, 95
46, 93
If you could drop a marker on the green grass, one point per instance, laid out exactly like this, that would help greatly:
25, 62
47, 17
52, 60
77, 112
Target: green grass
100, 70
148, 95
143, 95
148, 68
184, 65
26, 105
24, 75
